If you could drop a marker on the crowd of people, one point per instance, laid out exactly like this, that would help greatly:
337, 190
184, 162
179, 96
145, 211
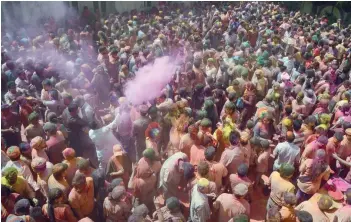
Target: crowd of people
259, 104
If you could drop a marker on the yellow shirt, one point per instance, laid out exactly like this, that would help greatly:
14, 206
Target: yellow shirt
279, 186
21, 187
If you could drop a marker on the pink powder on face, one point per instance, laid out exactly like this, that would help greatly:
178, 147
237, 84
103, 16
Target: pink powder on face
150, 80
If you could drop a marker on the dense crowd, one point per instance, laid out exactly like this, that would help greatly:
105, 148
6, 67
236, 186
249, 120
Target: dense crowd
258, 110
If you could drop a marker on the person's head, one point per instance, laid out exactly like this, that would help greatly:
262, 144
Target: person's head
290, 199
234, 138
149, 154
37, 214
118, 194
14, 153
50, 129
348, 133
303, 216
10, 173
290, 137
5, 192
203, 169
38, 143
114, 183
67, 98
241, 218
338, 136
286, 170
240, 190
187, 169
22, 207
230, 108
325, 202
73, 109
203, 185
173, 204
79, 182
210, 153
33, 118
47, 84
69, 153
55, 196
38, 165
59, 170
83, 165
322, 141
11, 86
243, 170
273, 215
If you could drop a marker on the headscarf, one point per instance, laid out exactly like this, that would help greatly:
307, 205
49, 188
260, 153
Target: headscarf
38, 143
149, 153
9, 171
25, 147
13, 152
68, 153
22, 207
172, 203
38, 164
116, 193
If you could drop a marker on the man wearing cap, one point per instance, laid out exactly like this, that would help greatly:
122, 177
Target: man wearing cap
171, 174
279, 183
116, 166
81, 197
317, 207
199, 207
170, 212
55, 144
145, 178
23, 169
311, 149
139, 127
115, 206
217, 171
43, 169
17, 183
231, 205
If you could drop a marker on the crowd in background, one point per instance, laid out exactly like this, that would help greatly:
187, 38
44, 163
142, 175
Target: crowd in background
258, 109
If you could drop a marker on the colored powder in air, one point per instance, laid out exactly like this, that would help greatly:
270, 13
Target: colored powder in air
150, 80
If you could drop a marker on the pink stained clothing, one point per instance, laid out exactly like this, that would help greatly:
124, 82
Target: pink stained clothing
279, 186
345, 148
331, 148
185, 144
84, 201
217, 172
310, 150
235, 180
343, 214
144, 168
144, 189
40, 153
229, 206
197, 153
55, 146
232, 157
174, 141
311, 187
314, 210
262, 162
72, 168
